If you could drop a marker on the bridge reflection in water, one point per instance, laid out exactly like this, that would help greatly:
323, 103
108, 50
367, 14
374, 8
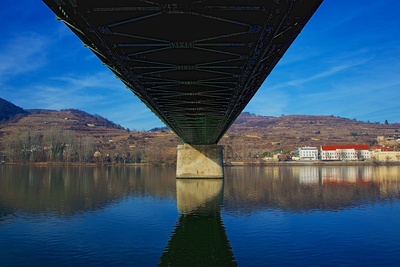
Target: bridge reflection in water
199, 235
76, 189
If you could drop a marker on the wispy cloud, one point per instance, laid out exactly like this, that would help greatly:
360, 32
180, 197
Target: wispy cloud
72, 90
21, 55
371, 98
353, 84
344, 63
333, 70
325, 70
97, 93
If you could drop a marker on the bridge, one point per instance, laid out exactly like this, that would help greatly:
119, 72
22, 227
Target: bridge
195, 64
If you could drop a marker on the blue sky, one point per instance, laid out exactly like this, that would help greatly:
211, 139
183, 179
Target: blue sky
345, 62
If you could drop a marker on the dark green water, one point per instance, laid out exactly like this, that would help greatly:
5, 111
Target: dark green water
143, 216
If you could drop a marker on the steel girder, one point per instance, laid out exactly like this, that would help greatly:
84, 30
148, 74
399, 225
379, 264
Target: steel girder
195, 64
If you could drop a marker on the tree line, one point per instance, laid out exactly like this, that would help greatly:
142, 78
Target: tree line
57, 145
54, 145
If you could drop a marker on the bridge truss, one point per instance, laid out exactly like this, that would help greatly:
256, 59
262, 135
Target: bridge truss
195, 64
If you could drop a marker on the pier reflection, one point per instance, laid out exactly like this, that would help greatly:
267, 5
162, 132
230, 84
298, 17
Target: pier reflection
115, 203
68, 190
199, 235
199, 195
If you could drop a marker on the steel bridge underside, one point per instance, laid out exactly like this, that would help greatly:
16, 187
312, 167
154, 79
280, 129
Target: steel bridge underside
195, 64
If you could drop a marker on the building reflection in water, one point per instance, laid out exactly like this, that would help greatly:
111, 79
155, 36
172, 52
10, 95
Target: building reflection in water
70, 190
384, 178
308, 188
199, 235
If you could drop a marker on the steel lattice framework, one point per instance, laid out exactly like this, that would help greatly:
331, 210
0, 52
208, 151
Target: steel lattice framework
195, 64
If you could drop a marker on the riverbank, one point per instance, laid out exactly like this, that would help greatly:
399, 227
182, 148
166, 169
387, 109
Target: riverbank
75, 164
315, 163
226, 164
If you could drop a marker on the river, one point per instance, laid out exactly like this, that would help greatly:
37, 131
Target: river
255, 216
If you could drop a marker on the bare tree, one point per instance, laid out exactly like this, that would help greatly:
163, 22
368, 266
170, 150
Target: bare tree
12, 148
85, 148
69, 150
55, 141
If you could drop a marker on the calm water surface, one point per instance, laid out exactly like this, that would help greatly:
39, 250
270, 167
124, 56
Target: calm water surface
143, 216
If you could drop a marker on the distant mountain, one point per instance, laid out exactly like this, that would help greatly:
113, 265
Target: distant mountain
249, 131
159, 129
40, 110
15, 120
37, 116
8, 110
67, 119
250, 136
293, 131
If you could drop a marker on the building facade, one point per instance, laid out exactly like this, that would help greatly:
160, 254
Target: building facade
383, 153
308, 153
345, 152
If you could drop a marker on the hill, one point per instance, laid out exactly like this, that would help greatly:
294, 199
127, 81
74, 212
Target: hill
304, 130
42, 120
45, 130
80, 122
8, 110
249, 138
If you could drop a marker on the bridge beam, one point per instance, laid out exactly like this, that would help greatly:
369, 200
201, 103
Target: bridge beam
199, 161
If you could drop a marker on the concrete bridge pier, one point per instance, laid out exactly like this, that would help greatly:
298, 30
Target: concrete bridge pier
199, 161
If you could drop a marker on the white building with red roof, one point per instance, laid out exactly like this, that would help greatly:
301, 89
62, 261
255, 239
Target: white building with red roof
345, 152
